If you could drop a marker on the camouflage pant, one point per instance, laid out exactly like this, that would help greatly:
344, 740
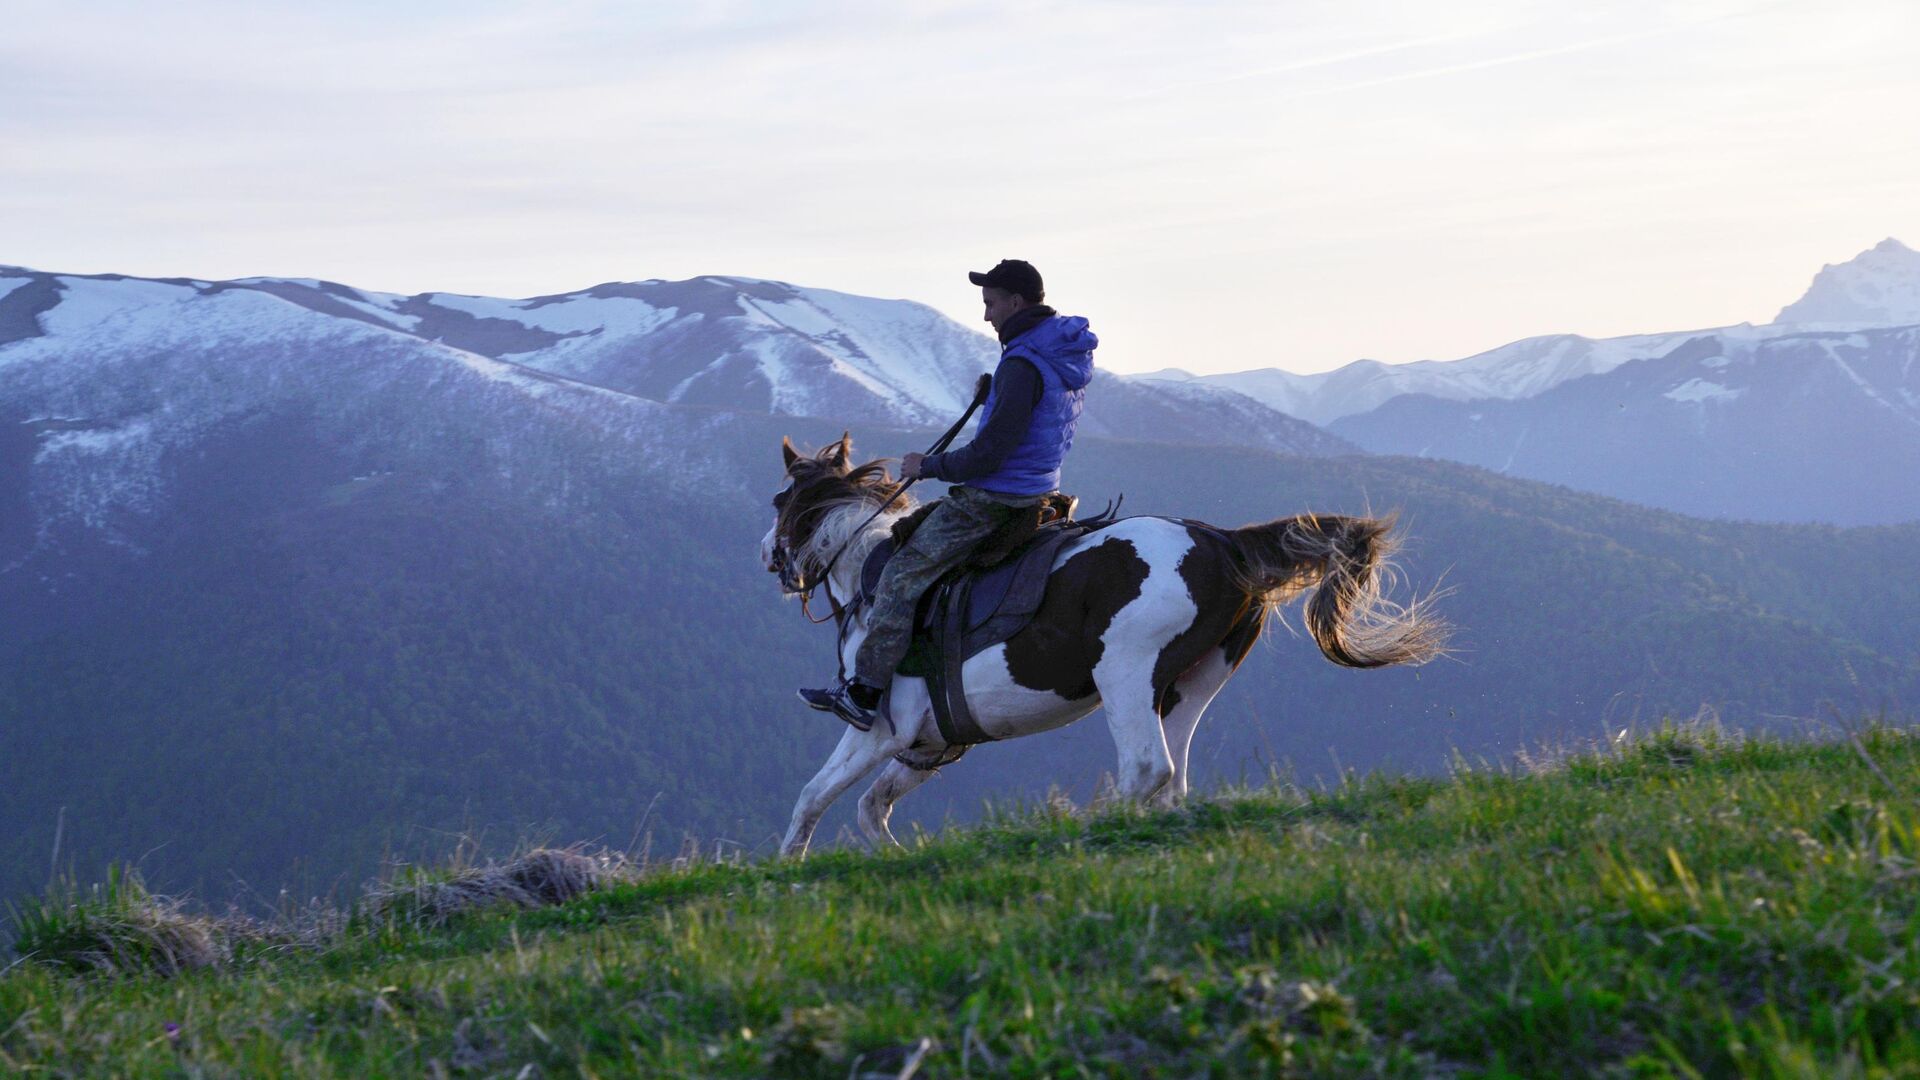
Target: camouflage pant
961, 520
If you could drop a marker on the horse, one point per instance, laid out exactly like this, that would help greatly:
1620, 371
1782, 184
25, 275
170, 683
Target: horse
1148, 616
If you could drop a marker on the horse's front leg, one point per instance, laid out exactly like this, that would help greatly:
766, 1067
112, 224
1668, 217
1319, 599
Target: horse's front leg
857, 754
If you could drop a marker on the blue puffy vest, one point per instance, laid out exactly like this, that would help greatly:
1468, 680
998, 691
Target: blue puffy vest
1061, 348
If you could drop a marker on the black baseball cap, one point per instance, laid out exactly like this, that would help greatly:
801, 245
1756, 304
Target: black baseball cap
1015, 276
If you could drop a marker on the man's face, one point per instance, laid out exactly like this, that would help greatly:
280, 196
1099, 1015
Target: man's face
1001, 305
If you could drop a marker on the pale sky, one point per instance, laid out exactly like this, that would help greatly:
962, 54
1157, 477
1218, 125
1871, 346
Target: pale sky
1217, 185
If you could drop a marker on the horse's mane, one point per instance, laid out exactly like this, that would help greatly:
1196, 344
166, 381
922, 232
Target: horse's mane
830, 500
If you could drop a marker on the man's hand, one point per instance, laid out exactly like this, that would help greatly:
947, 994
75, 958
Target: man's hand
910, 466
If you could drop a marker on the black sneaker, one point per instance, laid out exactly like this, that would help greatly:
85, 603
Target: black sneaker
839, 701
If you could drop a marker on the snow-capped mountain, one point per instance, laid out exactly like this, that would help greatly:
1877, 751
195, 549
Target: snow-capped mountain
1517, 370
1878, 287
735, 343
766, 346
1815, 416
732, 342
108, 387
105, 379
1813, 426
728, 343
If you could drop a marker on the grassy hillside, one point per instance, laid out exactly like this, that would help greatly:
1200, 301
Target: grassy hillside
1682, 904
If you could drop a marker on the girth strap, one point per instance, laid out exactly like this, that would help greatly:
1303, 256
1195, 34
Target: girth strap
948, 688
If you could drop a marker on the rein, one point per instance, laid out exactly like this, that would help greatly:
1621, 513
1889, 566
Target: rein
839, 612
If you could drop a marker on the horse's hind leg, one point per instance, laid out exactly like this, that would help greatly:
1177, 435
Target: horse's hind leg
1144, 766
857, 754
1189, 697
876, 806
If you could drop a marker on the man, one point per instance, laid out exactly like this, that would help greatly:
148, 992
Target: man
1046, 361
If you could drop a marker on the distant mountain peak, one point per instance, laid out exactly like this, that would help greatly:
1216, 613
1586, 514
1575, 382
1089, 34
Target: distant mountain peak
1878, 287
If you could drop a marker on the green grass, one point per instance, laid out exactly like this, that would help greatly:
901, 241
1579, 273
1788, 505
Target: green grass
1687, 904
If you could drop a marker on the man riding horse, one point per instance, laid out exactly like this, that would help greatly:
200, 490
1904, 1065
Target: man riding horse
1013, 462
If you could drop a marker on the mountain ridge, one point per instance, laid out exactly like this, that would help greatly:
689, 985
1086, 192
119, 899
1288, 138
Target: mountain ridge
723, 342
1877, 288
1812, 425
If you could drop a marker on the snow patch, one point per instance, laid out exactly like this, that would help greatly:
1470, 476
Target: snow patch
131, 305
606, 316
1698, 390
614, 316
382, 312
1514, 454
1860, 382
901, 349
794, 314
484, 307
93, 440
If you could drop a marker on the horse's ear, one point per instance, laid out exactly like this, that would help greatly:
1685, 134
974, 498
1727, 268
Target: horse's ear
842, 450
788, 452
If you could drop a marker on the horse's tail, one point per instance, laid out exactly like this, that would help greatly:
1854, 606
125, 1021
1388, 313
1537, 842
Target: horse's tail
1346, 561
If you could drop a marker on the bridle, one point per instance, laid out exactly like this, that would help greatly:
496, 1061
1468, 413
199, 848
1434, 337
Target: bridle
793, 579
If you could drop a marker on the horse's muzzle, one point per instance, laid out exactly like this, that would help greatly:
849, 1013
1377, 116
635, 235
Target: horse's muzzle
782, 564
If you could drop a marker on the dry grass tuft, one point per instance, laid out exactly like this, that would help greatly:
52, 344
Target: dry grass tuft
120, 928
538, 878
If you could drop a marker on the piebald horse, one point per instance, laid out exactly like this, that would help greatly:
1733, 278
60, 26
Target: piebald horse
1147, 616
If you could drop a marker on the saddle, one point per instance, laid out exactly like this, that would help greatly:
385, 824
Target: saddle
986, 600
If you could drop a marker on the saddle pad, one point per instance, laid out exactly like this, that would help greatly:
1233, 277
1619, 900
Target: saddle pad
970, 610
972, 613
999, 599
1003, 599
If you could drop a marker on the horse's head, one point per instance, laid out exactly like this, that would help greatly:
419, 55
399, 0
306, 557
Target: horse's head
817, 485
